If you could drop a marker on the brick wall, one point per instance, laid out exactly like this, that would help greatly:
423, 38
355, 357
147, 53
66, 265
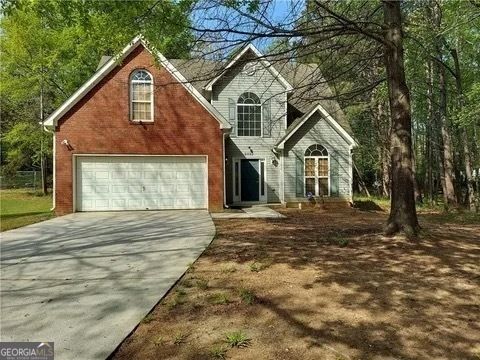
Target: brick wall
99, 124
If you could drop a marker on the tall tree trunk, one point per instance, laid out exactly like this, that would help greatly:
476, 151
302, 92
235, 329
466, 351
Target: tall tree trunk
383, 134
429, 139
403, 215
446, 146
466, 151
448, 176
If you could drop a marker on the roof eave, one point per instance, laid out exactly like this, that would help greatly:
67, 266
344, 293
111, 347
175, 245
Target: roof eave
318, 108
104, 70
267, 64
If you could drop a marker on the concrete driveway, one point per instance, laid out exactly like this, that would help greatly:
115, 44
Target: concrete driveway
86, 280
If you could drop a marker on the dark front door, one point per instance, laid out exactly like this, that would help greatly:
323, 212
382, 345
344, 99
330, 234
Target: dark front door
250, 180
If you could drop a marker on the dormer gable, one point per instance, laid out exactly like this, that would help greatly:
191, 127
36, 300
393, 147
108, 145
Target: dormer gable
247, 58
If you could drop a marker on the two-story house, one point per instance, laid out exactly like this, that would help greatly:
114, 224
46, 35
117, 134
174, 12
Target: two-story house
145, 132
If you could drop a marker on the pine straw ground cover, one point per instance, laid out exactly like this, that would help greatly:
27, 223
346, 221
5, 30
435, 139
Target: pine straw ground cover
322, 285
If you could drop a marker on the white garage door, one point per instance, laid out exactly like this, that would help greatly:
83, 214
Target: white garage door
140, 182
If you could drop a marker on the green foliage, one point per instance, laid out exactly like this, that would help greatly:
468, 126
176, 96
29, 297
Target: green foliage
219, 298
202, 283
180, 338
23, 145
247, 296
218, 352
237, 339
55, 45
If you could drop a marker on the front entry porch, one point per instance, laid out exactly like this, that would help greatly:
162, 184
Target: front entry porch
249, 181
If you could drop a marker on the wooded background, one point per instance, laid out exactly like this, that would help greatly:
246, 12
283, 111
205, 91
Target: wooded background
49, 48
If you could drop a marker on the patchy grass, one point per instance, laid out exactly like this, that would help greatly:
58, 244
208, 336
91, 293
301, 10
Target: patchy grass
180, 338
219, 298
247, 296
20, 207
237, 339
218, 352
202, 283
334, 288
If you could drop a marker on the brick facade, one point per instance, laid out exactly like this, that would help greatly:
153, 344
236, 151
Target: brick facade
99, 124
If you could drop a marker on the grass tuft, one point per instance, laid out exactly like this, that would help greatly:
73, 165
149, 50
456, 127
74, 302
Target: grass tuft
180, 338
228, 270
179, 299
148, 319
218, 352
258, 266
219, 298
237, 339
201, 283
247, 296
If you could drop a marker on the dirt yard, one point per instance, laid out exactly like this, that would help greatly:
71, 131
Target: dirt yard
323, 285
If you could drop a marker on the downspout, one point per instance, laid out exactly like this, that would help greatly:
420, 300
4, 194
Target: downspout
224, 174
53, 165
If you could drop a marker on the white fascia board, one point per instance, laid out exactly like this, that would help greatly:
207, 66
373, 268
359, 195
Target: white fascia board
327, 117
90, 83
111, 64
264, 61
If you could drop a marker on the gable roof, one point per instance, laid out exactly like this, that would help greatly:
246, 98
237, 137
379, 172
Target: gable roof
112, 63
265, 62
297, 124
309, 86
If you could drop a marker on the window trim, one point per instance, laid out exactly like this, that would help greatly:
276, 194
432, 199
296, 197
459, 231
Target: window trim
131, 101
316, 176
261, 116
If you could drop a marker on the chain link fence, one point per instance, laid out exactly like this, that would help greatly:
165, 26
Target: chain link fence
22, 180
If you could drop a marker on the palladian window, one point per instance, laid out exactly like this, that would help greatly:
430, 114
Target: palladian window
249, 115
317, 171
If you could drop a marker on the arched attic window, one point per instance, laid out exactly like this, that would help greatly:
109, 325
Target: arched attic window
141, 96
249, 115
317, 171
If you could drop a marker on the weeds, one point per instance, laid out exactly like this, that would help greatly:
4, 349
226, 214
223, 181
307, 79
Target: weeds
218, 352
228, 270
148, 319
247, 296
237, 339
258, 266
180, 338
179, 299
219, 299
159, 340
202, 283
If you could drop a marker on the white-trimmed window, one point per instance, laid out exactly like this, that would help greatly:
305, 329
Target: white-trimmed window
317, 171
141, 96
249, 115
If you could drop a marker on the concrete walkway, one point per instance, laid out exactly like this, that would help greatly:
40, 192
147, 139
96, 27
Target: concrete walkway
86, 280
253, 212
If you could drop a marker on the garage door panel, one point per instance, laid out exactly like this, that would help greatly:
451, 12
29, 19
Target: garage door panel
140, 182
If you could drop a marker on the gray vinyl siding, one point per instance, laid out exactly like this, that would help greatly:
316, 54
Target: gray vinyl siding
266, 87
316, 131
